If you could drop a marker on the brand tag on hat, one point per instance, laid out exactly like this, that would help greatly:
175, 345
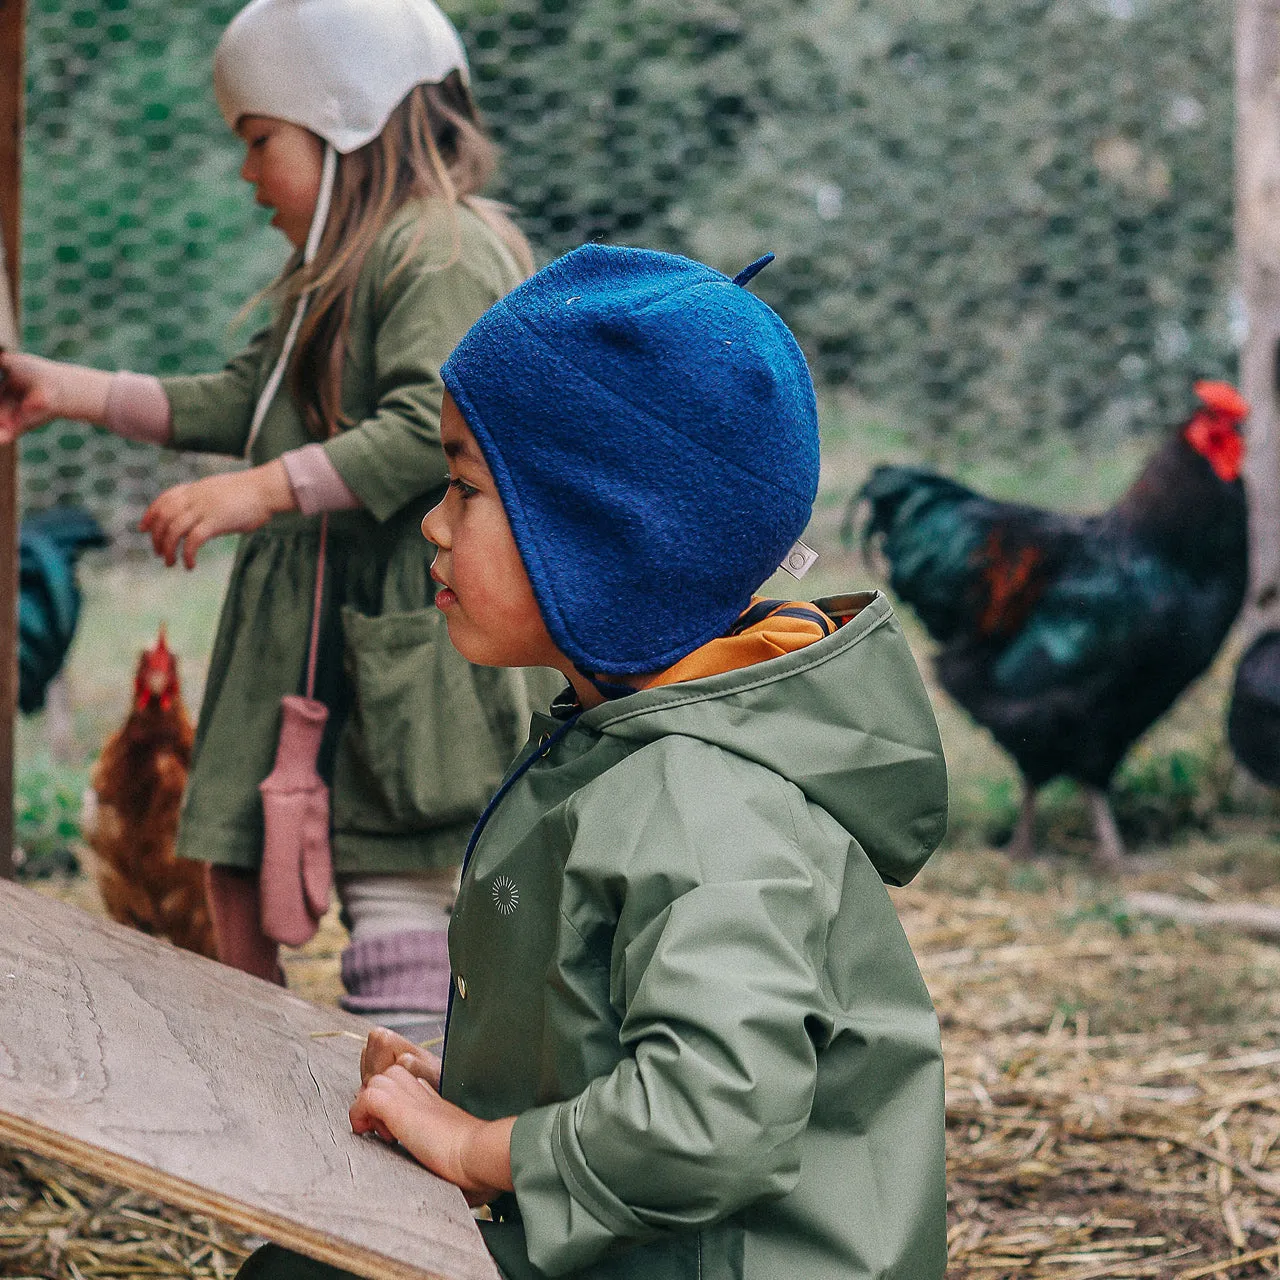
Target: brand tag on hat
799, 560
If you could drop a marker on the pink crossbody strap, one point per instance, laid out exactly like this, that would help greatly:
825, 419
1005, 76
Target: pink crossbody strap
315, 608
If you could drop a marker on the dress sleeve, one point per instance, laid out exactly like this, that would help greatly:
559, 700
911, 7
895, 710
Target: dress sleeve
315, 483
721, 991
423, 310
138, 409
211, 412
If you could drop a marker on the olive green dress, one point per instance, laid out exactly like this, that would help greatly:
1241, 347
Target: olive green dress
417, 737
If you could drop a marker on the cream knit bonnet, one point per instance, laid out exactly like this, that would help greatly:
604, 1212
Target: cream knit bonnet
336, 67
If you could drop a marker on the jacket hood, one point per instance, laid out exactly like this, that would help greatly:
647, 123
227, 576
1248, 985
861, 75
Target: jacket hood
846, 719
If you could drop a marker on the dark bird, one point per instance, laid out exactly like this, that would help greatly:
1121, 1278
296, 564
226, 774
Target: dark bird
50, 544
1068, 636
1253, 722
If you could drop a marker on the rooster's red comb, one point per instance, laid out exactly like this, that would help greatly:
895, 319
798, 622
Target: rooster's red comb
1222, 397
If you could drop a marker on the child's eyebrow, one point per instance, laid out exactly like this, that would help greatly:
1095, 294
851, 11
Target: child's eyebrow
460, 449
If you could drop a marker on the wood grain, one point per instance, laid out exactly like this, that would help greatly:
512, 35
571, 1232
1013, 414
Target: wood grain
8, 319
1257, 232
12, 82
217, 1092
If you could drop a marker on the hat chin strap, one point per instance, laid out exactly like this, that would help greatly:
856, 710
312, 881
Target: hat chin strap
319, 216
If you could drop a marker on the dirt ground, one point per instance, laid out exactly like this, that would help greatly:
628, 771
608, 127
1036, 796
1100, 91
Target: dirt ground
1113, 1084
1113, 1100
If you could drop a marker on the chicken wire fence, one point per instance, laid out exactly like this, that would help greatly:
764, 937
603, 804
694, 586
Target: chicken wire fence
995, 220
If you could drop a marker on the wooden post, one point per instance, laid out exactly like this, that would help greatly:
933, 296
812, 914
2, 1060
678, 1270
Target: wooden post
1257, 228
12, 87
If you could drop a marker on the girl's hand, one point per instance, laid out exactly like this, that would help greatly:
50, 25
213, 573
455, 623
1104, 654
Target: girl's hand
34, 391
191, 514
475, 1155
385, 1048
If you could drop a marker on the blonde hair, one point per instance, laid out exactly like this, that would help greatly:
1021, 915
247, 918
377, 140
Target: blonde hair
433, 146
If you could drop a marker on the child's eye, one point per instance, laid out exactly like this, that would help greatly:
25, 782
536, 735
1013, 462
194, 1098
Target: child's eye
462, 488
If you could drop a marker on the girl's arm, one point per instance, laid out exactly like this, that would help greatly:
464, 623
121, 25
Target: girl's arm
211, 412
35, 391
399, 1105
188, 515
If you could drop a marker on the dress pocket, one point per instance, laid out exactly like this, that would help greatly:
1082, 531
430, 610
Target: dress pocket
417, 751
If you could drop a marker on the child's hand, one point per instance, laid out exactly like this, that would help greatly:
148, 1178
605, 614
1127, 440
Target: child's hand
385, 1048
34, 390
191, 514
475, 1155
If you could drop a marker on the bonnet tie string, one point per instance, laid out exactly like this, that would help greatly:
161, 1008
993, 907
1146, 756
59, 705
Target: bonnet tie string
318, 218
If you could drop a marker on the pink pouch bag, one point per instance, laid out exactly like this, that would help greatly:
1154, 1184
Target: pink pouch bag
297, 868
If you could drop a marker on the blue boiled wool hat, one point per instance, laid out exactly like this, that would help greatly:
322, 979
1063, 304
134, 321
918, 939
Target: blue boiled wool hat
652, 431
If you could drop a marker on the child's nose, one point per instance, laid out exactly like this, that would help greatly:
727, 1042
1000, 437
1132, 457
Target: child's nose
433, 526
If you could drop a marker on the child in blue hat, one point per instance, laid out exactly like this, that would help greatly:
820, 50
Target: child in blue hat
687, 1036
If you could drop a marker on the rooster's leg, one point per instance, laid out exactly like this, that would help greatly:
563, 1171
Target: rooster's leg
1108, 853
1022, 844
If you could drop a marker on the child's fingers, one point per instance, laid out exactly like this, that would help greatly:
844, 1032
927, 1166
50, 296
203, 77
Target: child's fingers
19, 412
196, 537
383, 1105
363, 1115
25, 389
157, 513
383, 1048
168, 520
167, 535
158, 528
364, 1120
421, 1065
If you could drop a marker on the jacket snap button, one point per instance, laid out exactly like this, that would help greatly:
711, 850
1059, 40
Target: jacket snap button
462, 987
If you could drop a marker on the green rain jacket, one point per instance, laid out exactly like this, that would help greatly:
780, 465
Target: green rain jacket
676, 962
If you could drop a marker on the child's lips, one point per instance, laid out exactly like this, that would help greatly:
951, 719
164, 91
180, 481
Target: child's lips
446, 597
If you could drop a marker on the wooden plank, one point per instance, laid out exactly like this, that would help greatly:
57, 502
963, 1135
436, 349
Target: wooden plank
1257, 228
214, 1091
8, 319
12, 85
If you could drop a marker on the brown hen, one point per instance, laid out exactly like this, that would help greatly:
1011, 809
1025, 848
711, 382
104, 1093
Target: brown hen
132, 813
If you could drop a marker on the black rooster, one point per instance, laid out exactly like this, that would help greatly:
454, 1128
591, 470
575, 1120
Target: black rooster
49, 545
1068, 636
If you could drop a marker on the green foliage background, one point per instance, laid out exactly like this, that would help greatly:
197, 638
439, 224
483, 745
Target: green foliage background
995, 220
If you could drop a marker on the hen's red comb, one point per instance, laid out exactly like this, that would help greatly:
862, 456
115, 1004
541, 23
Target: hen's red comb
1223, 398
